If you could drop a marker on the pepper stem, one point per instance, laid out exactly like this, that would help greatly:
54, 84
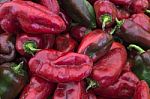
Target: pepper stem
147, 11
119, 22
139, 49
91, 84
30, 47
106, 18
17, 68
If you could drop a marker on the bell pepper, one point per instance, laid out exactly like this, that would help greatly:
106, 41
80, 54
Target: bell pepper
128, 30
122, 14
52, 5
142, 63
13, 79
28, 44
123, 88
38, 88
63, 68
33, 18
142, 19
80, 11
129, 64
7, 48
65, 43
95, 44
106, 12
142, 91
89, 95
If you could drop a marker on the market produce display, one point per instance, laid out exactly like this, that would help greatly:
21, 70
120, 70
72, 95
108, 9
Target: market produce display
74, 49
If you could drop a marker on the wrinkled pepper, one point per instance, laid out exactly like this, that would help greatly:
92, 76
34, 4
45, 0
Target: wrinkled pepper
142, 91
38, 88
64, 68
7, 48
28, 44
95, 44
128, 30
142, 63
65, 43
33, 18
13, 79
80, 11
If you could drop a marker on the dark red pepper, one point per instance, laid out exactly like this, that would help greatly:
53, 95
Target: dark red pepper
122, 14
95, 44
37, 89
28, 44
63, 68
142, 91
65, 43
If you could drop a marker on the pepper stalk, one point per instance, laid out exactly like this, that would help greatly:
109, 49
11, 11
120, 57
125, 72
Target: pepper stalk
105, 19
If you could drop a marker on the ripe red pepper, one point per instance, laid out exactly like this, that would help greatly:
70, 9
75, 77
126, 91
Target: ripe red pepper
106, 12
63, 68
123, 88
28, 44
128, 65
95, 44
89, 96
52, 5
109, 67
37, 89
142, 91
122, 14
142, 19
65, 43
33, 18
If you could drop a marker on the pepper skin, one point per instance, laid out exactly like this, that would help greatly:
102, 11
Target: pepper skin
123, 88
89, 96
12, 78
32, 17
107, 70
52, 5
142, 63
122, 14
80, 11
66, 68
72, 90
106, 12
142, 91
143, 20
7, 48
65, 43
28, 44
37, 89
95, 44
130, 30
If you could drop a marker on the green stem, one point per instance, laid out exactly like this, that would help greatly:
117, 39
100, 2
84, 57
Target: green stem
139, 49
119, 23
17, 68
91, 84
30, 47
147, 11
106, 18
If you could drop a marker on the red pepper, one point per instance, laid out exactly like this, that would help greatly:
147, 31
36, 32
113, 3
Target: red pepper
72, 90
89, 96
95, 44
65, 43
128, 65
141, 19
28, 44
37, 89
33, 18
106, 12
109, 67
123, 88
52, 5
122, 14
142, 91
65, 68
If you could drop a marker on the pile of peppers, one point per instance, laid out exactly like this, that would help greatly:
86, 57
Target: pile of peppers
74, 49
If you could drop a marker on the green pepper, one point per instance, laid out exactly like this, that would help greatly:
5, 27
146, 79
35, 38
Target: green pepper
142, 63
12, 80
80, 11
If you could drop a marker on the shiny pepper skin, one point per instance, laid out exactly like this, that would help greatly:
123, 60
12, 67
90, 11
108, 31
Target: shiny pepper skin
52, 5
108, 68
122, 14
142, 91
95, 44
143, 20
65, 68
41, 42
33, 18
38, 88
65, 43
124, 88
